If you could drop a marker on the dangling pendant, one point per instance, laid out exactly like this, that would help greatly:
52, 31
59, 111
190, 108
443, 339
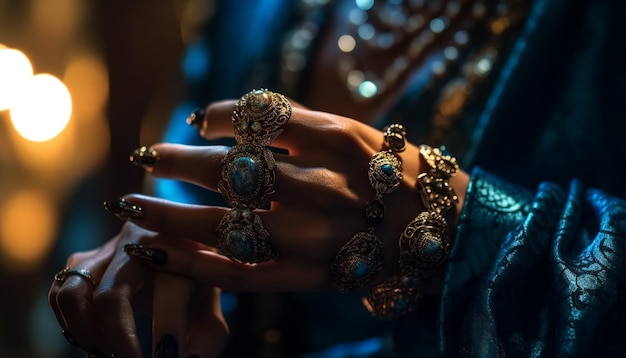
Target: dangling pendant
424, 244
357, 262
394, 297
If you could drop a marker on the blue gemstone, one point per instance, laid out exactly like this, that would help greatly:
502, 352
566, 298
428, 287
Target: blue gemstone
431, 246
401, 305
240, 244
243, 176
387, 169
360, 269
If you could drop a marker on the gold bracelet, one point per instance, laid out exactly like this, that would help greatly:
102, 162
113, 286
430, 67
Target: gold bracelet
424, 244
361, 258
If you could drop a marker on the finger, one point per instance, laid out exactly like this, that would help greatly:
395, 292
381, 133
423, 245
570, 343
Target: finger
169, 323
199, 223
121, 281
195, 222
207, 330
58, 282
71, 301
199, 165
217, 270
202, 166
305, 130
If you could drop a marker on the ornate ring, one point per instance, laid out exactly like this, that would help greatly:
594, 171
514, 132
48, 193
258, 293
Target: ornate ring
62, 275
242, 237
395, 137
247, 179
259, 116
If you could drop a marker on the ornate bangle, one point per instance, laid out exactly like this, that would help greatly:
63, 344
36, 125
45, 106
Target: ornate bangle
424, 244
361, 258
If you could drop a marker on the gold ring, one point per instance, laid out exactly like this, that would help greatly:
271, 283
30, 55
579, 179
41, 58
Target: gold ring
248, 175
242, 237
62, 275
259, 116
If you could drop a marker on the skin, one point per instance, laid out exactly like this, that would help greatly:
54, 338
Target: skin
321, 190
101, 317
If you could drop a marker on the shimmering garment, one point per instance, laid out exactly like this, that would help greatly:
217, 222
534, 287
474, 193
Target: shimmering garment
536, 274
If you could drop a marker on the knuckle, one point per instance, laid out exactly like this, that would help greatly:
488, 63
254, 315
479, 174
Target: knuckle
68, 297
75, 258
333, 192
106, 300
343, 136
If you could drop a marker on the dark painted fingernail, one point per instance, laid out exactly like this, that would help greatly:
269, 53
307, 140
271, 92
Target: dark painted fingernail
144, 157
196, 117
153, 256
124, 210
166, 348
70, 339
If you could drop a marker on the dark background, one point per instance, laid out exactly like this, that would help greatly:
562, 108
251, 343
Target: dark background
134, 48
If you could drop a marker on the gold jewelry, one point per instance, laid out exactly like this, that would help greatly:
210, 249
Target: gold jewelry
62, 275
393, 297
361, 258
242, 237
195, 118
424, 244
259, 116
248, 175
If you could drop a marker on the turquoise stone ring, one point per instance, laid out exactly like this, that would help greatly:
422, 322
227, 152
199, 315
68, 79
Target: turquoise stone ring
242, 237
248, 175
259, 116
247, 178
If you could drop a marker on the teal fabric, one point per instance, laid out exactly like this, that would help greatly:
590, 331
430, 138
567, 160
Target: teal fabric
536, 274
537, 267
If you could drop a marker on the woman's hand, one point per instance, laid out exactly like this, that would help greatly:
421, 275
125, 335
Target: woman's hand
321, 190
95, 300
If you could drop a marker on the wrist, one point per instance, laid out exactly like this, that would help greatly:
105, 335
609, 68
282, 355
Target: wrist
421, 249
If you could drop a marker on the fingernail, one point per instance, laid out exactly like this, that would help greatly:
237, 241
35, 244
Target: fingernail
144, 157
153, 256
195, 118
166, 348
124, 210
70, 339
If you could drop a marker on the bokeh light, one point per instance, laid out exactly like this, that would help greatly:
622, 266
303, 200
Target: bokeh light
42, 108
87, 79
15, 70
28, 225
